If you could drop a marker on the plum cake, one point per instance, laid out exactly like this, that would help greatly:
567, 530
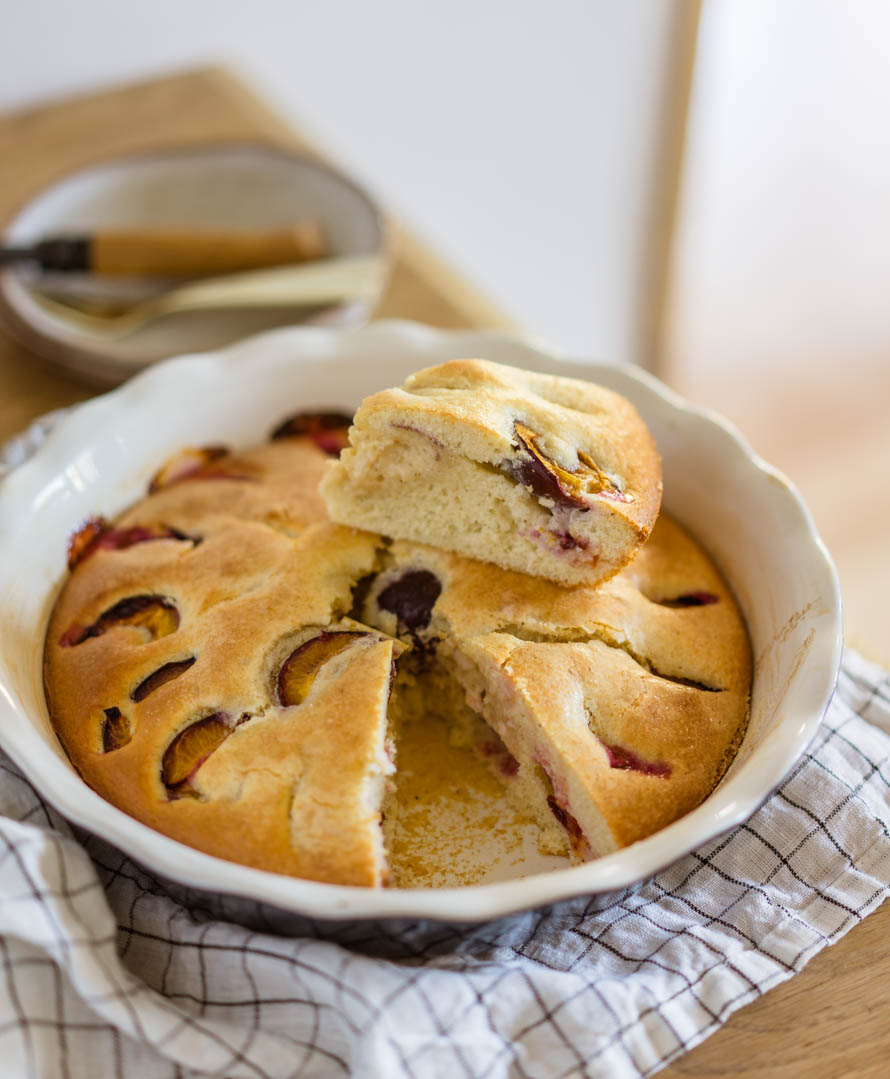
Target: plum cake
553, 477
232, 668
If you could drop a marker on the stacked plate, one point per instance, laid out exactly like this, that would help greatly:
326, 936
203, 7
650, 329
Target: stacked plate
239, 186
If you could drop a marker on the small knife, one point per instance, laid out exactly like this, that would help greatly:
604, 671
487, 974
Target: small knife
172, 252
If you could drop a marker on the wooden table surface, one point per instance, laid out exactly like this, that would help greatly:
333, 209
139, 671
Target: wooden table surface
831, 1020
39, 145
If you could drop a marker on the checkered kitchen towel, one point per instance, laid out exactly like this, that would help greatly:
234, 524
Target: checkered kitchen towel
108, 973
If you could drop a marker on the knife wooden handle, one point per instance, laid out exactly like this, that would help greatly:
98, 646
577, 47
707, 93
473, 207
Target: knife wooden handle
200, 252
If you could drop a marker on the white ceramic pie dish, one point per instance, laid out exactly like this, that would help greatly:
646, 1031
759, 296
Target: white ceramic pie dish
100, 457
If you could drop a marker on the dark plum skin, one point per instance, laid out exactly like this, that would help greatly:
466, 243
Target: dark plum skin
190, 748
160, 677
97, 534
328, 430
299, 670
156, 615
577, 839
191, 462
411, 598
531, 472
116, 730
626, 760
690, 599
547, 479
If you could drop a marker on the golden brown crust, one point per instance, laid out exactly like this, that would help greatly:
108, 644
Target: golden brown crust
701, 642
285, 779
276, 483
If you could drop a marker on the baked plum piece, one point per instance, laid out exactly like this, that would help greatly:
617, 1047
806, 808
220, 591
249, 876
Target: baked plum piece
553, 477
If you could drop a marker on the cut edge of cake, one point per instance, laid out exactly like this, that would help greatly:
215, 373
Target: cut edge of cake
550, 476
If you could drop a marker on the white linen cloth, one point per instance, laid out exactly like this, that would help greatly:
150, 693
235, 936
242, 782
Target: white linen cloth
109, 971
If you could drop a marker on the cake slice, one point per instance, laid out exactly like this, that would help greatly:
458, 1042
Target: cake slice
617, 709
553, 477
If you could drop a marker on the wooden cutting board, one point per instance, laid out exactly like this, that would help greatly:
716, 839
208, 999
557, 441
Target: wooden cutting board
831, 1020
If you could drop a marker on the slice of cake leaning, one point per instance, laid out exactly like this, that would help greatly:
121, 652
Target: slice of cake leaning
554, 477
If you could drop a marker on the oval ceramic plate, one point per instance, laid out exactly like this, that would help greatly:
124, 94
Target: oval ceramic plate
100, 457
249, 185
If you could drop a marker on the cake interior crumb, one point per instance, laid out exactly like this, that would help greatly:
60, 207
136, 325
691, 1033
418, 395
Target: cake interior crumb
448, 817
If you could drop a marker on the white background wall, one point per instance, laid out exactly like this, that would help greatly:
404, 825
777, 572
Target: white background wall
783, 246
518, 136
780, 314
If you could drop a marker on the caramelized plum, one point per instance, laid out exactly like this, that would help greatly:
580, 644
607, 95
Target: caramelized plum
625, 759
411, 598
190, 748
567, 542
97, 534
690, 599
154, 616
496, 751
577, 839
301, 667
116, 730
193, 462
328, 430
73, 635
160, 677
83, 542
547, 479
